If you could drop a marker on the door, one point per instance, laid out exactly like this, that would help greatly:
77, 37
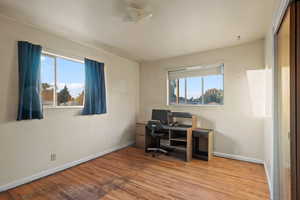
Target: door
288, 99
284, 98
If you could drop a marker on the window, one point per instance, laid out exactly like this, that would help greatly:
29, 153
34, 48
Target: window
62, 81
199, 85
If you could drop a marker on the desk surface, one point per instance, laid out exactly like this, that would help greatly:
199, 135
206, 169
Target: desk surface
175, 128
178, 128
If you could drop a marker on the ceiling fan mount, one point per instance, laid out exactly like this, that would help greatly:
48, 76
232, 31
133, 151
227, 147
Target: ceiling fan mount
137, 10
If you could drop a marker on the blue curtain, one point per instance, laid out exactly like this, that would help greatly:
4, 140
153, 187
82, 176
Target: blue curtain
29, 57
95, 95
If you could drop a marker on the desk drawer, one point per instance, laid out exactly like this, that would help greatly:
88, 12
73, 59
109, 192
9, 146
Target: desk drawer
140, 141
140, 130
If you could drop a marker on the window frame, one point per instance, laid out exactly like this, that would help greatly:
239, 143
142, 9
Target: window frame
55, 106
202, 89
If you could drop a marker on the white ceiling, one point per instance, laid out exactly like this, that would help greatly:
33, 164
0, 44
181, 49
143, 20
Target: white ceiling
178, 27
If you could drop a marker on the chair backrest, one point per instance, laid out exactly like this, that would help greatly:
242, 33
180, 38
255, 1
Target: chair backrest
153, 126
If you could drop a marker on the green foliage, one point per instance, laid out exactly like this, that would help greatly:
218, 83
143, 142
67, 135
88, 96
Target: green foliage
63, 96
45, 86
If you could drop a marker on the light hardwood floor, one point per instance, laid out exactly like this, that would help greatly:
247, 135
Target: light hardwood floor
130, 174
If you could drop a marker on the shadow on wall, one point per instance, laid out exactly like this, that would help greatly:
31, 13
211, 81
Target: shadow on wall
128, 134
222, 140
205, 123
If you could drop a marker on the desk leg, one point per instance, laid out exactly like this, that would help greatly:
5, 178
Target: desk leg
147, 139
210, 145
189, 145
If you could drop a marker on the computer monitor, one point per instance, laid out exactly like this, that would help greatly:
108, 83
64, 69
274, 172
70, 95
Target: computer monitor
162, 115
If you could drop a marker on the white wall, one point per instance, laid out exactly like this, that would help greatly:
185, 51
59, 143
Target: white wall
239, 125
25, 146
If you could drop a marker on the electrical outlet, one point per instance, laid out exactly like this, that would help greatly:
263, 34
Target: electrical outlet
53, 157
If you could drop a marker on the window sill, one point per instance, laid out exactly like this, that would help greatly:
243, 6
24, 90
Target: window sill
197, 106
63, 107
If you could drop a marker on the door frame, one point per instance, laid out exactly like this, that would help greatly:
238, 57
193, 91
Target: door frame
295, 145
294, 99
294, 6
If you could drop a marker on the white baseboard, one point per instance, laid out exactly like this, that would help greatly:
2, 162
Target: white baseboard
60, 168
237, 157
269, 181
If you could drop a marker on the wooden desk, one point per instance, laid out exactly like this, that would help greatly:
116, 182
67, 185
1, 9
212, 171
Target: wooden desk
181, 139
193, 141
140, 132
203, 143
177, 138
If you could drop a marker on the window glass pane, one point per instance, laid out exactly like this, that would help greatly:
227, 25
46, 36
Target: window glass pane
172, 91
182, 90
70, 82
47, 79
213, 89
194, 90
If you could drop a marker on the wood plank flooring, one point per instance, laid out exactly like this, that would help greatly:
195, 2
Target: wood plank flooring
131, 174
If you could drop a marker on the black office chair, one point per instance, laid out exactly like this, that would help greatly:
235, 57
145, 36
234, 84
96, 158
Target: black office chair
155, 128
